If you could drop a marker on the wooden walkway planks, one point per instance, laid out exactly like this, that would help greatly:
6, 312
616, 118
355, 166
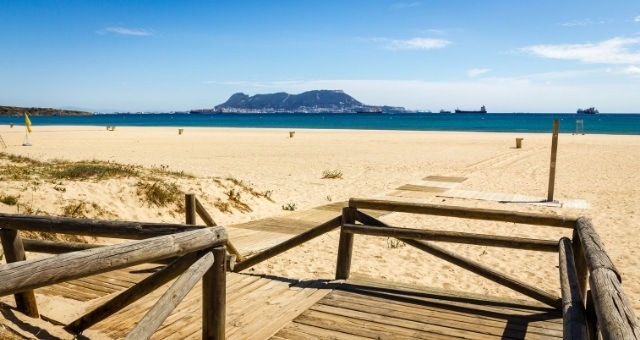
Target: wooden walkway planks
257, 307
356, 311
515, 198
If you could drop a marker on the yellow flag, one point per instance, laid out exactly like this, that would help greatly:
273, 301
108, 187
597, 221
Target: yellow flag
27, 122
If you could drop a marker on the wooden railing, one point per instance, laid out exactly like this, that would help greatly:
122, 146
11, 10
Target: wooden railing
592, 299
611, 315
197, 252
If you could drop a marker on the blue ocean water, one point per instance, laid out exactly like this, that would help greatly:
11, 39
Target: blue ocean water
621, 124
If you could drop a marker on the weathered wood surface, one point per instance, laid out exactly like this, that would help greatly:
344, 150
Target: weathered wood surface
573, 311
257, 307
31, 274
616, 317
455, 237
55, 247
214, 293
288, 244
132, 294
190, 209
552, 163
581, 264
86, 227
171, 298
14, 252
345, 245
460, 212
363, 312
472, 266
208, 220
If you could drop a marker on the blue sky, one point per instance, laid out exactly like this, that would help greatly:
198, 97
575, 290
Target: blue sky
512, 56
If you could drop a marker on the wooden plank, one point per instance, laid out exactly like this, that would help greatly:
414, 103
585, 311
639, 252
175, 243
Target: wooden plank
290, 313
461, 212
171, 298
574, 314
554, 156
345, 245
445, 179
421, 188
25, 275
307, 331
278, 225
443, 316
455, 237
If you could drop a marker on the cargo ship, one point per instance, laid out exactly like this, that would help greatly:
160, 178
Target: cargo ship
482, 110
591, 111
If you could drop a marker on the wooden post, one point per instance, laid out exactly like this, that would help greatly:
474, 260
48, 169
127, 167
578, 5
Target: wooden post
581, 265
214, 292
592, 318
574, 315
554, 154
14, 252
132, 294
170, 299
190, 209
345, 246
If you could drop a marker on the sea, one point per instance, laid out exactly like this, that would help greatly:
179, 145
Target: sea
618, 124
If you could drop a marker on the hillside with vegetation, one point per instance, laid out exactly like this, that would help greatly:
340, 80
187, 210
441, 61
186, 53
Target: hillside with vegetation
38, 111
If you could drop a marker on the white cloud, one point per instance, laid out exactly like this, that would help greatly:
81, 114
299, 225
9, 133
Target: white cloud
585, 22
612, 51
637, 19
632, 70
417, 44
126, 31
477, 71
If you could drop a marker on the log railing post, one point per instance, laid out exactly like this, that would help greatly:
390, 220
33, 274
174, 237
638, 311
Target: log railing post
581, 264
14, 252
345, 246
208, 220
573, 312
214, 291
190, 209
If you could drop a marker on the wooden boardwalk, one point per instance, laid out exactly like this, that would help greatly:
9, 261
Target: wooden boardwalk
267, 307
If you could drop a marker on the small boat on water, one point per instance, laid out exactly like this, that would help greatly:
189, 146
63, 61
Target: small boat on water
445, 111
592, 110
482, 110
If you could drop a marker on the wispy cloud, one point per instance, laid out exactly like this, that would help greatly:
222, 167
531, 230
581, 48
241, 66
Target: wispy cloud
612, 51
584, 22
477, 71
632, 71
417, 44
126, 31
637, 19
403, 5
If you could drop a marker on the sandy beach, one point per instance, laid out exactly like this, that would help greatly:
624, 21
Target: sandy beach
599, 169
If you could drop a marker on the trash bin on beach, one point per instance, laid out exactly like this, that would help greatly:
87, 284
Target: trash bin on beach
519, 143
291, 134
180, 131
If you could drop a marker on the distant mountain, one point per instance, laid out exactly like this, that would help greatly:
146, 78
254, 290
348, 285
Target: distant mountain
334, 101
37, 111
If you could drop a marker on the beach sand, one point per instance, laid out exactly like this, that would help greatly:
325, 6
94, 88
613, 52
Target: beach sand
600, 169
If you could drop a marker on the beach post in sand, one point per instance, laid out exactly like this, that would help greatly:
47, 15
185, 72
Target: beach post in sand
291, 134
519, 143
554, 154
180, 131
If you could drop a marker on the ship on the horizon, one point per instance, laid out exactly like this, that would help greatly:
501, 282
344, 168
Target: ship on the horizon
592, 110
482, 110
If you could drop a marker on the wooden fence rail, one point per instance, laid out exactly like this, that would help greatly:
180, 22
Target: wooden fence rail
30, 274
460, 212
96, 228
